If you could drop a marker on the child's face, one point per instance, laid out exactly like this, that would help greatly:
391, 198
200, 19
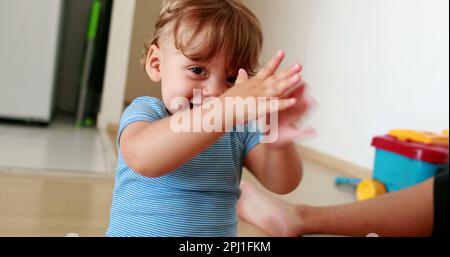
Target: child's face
180, 76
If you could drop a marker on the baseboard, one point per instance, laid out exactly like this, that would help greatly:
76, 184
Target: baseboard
344, 167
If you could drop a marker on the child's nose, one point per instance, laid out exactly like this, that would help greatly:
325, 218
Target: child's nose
214, 88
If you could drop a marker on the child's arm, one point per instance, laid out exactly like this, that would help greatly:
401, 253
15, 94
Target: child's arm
281, 171
153, 149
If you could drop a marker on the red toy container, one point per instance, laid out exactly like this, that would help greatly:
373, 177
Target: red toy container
402, 164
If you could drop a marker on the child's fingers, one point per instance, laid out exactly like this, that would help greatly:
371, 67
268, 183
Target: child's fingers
290, 72
296, 91
305, 101
242, 76
281, 87
311, 102
279, 105
303, 107
299, 111
293, 133
304, 133
295, 113
271, 67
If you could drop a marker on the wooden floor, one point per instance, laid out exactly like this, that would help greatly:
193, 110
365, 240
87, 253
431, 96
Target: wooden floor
58, 204
53, 204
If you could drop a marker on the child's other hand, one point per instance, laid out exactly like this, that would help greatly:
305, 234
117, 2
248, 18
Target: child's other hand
264, 86
288, 118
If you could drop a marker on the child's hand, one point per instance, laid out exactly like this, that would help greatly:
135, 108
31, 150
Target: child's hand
287, 119
264, 86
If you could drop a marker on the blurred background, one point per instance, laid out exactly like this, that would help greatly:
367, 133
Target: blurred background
68, 68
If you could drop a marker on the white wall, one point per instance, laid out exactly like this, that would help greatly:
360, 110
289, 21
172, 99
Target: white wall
117, 63
373, 65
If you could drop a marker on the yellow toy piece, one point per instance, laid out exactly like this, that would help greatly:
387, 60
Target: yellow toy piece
445, 133
428, 138
369, 189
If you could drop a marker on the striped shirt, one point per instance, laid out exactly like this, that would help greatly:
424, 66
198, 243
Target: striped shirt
196, 200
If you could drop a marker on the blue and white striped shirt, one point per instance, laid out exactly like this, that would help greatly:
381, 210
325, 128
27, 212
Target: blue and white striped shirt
196, 200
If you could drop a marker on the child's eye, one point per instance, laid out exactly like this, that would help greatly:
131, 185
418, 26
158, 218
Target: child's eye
199, 71
231, 80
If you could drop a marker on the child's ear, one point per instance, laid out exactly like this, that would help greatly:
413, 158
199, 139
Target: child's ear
153, 63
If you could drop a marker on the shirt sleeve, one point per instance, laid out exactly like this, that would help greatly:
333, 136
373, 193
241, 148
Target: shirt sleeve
251, 137
146, 109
